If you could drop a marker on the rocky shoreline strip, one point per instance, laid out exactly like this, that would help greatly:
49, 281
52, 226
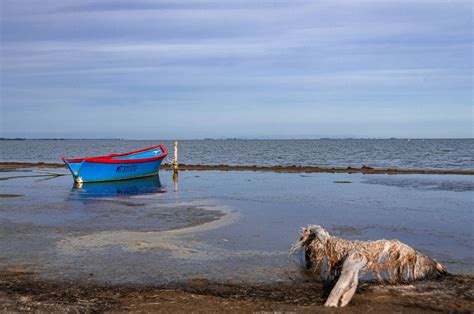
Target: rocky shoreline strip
23, 291
4, 166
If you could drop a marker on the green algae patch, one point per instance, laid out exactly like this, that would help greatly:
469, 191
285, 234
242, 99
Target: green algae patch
9, 195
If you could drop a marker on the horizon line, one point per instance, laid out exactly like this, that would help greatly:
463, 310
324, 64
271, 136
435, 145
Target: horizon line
232, 138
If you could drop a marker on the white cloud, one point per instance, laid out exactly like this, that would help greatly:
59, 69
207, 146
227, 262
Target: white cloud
226, 58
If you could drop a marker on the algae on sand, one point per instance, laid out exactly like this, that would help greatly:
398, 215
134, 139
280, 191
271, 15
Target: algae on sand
9, 195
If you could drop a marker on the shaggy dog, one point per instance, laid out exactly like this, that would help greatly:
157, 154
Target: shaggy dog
333, 258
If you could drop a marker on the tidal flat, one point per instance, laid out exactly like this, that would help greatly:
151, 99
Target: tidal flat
224, 235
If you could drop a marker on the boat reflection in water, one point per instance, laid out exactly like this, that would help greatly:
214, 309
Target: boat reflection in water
124, 188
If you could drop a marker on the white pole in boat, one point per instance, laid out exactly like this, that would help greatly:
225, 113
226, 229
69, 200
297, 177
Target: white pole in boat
175, 160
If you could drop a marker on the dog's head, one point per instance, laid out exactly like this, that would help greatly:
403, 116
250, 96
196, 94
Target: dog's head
308, 234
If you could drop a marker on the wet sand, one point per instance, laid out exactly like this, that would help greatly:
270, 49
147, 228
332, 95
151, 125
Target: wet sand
8, 166
20, 291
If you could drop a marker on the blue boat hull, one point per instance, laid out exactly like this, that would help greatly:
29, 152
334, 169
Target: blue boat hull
99, 172
138, 164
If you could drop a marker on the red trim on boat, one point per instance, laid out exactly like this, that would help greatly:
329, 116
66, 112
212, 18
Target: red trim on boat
108, 159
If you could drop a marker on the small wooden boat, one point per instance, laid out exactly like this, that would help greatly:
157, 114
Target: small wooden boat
137, 164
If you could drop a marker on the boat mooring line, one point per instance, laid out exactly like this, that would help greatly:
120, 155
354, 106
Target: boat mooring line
50, 173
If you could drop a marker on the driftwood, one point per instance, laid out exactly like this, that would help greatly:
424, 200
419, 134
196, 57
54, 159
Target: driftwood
332, 258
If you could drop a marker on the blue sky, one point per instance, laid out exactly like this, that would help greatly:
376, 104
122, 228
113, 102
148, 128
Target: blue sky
254, 69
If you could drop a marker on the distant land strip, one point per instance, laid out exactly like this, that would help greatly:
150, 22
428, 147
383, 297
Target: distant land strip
293, 169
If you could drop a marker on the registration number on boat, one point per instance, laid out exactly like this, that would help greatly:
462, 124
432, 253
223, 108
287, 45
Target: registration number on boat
129, 168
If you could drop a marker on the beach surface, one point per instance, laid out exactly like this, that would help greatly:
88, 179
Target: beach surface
220, 240
20, 291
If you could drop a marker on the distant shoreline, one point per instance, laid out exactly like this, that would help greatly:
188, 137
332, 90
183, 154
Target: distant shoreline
240, 139
289, 169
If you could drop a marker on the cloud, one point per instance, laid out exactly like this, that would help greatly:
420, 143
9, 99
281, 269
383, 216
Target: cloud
228, 58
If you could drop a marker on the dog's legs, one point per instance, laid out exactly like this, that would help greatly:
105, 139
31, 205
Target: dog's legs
346, 285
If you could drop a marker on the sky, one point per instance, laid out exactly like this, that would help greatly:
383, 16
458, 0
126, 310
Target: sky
248, 69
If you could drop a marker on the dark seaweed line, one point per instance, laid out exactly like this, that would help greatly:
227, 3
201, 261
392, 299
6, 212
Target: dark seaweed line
293, 169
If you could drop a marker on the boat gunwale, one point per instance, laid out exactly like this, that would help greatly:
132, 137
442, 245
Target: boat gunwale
108, 159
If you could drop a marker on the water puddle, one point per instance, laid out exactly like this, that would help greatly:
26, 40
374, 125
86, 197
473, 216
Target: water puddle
222, 225
432, 183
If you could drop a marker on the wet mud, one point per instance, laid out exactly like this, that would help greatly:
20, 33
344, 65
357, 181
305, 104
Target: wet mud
199, 218
10, 166
21, 291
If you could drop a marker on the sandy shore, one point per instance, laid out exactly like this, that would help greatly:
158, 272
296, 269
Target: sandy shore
21, 291
8, 166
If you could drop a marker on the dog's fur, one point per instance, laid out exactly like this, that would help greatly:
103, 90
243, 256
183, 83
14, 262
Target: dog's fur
388, 260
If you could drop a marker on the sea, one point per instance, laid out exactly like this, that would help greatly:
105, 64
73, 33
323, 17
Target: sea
453, 154
229, 226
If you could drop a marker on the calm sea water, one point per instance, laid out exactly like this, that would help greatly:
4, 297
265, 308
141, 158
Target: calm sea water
396, 153
113, 232
232, 225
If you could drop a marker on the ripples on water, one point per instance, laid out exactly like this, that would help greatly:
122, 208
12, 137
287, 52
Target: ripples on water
396, 153
430, 183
